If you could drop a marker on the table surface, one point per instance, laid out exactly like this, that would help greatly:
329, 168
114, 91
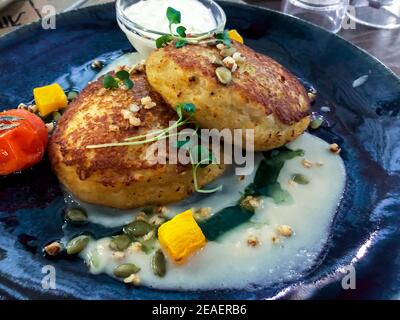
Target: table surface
383, 44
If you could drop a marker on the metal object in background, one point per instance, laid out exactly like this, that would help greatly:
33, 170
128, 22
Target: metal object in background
383, 14
328, 14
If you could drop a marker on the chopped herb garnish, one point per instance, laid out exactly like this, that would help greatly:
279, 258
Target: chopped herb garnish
173, 16
122, 75
109, 82
181, 30
180, 43
180, 37
163, 40
224, 38
128, 83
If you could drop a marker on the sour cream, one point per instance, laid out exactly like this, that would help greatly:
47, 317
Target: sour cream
151, 14
144, 21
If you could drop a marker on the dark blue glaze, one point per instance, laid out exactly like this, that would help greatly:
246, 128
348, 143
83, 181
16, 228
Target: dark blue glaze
365, 121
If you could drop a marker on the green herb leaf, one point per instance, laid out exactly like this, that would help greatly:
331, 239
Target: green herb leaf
224, 38
128, 84
163, 40
181, 30
173, 16
122, 75
189, 107
180, 43
109, 82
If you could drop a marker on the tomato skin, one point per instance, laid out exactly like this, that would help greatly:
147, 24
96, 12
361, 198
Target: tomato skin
23, 146
37, 123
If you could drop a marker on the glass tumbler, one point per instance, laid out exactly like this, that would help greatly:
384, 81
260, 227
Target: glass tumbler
328, 14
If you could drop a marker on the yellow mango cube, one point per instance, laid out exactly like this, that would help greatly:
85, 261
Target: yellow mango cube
181, 236
234, 35
50, 98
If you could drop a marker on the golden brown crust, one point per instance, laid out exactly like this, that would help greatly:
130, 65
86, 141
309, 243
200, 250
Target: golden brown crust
262, 95
121, 177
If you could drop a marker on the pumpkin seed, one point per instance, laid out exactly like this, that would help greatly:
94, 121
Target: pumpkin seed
316, 123
120, 242
72, 95
224, 75
158, 264
228, 52
56, 116
76, 245
300, 178
125, 270
137, 228
76, 216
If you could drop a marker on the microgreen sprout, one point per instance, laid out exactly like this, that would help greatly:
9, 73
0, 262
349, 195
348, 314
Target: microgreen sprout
198, 154
110, 82
181, 38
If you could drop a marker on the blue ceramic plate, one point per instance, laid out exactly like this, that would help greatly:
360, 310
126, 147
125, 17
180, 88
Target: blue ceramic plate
364, 120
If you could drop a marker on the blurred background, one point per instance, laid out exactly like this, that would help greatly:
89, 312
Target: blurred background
373, 25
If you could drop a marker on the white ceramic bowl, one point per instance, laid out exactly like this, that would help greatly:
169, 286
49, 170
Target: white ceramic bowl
143, 40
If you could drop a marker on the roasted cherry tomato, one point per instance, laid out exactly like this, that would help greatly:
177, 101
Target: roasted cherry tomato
23, 140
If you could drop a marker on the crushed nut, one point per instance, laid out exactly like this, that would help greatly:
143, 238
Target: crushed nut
141, 216
132, 279
237, 56
33, 108
285, 230
334, 148
147, 103
118, 255
136, 247
230, 63
253, 241
101, 92
134, 107
291, 183
156, 220
202, 213
216, 60
306, 163
250, 203
220, 46
50, 127
161, 210
22, 106
148, 236
275, 238
113, 128
53, 249
128, 115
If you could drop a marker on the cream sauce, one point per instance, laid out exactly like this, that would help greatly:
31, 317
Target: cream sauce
230, 262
